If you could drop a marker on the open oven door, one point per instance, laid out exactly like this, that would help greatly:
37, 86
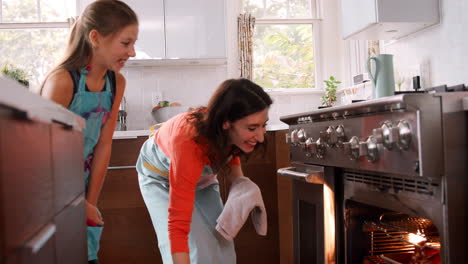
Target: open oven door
313, 213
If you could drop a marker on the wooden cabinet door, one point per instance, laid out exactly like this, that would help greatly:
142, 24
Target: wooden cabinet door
67, 165
26, 187
261, 169
128, 235
70, 238
40, 248
285, 210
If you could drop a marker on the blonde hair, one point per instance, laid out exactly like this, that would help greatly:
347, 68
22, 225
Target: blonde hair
105, 16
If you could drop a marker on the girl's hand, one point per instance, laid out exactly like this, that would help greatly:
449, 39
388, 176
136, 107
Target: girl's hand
92, 214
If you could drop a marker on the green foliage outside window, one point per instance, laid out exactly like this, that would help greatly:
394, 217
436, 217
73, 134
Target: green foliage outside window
284, 56
283, 52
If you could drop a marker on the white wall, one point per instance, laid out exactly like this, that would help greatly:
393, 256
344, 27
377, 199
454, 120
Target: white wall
441, 49
192, 85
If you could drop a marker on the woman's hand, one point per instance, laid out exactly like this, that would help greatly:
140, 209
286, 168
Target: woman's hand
92, 214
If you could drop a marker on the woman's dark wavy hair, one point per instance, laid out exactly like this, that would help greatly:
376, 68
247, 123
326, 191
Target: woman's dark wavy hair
234, 99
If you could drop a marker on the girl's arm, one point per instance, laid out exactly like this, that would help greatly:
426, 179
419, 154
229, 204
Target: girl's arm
102, 150
59, 88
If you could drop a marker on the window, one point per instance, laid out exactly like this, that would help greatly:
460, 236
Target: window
33, 34
285, 42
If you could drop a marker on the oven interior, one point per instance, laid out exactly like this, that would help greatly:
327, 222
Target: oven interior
378, 235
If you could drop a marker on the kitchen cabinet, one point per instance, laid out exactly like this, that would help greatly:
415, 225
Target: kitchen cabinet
252, 248
151, 40
128, 235
386, 19
42, 213
179, 32
195, 29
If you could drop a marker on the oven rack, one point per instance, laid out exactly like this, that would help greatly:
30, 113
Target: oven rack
401, 231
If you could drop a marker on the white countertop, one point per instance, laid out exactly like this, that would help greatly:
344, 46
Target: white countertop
17, 97
129, 134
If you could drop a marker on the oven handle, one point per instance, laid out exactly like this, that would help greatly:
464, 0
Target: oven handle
312, 176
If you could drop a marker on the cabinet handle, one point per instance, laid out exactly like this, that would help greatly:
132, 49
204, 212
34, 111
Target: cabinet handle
40, 239
77, 201
121, 167
124, 137
310, 176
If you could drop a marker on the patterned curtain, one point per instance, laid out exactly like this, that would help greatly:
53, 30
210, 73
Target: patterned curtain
245, 31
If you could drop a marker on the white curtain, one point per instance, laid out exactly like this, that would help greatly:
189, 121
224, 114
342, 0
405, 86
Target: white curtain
245, 31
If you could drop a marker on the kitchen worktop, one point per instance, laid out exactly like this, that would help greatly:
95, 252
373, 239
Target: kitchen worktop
140, 133
34, 107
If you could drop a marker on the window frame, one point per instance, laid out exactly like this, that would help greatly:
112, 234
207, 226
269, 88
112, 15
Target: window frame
65, 25
39, 24
316, 29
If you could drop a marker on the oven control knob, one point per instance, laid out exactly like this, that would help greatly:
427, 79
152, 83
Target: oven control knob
311, 146
301, 136
404, 134
332, 137
372, 150
351, 148
323, 137
340, 135
321, 149
294, 138
362, 148
383, 135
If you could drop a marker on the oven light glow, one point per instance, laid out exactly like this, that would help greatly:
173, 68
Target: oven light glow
329, 222
415, 238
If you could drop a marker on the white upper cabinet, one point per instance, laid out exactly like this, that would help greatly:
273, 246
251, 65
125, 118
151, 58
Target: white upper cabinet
195, 29
386, 19
178, 29
151, 43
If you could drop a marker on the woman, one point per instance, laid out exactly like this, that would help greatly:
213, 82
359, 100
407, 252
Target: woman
177, 170
87, 82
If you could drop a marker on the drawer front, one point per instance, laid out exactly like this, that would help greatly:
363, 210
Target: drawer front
70, 239
128, 237
39, 249
121, 190
26, 186
67, 165
125, 151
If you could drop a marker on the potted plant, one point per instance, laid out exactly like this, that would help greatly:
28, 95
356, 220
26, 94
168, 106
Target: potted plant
330, 91
11, 71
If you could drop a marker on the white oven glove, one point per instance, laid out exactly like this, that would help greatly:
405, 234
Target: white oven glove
244, 199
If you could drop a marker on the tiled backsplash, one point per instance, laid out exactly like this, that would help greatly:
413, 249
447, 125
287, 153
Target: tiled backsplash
188, 85
192, 86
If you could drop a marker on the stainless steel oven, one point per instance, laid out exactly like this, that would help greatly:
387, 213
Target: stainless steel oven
381, 181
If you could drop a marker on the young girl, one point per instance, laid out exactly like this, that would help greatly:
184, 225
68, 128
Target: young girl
177, 170
87, 82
